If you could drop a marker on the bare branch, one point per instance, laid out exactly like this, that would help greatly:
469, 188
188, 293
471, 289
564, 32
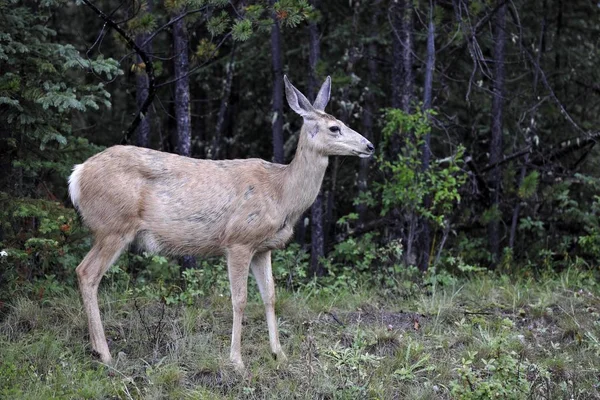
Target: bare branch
536, 65
149, 69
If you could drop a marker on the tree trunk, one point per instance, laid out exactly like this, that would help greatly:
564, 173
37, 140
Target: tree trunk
496, 139
425, 239
402, 93
407, 56
330, 216
182, 90
183, 141
397, 64
144, 130
277, 63
317, 233
217, 139
369, 107
531, 130
557, 39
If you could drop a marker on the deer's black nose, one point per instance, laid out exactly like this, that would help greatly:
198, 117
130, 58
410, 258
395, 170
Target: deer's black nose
370, 147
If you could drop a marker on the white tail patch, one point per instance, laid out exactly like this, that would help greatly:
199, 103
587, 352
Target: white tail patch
75, 184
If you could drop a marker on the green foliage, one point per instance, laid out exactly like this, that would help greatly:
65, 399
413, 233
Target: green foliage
501, 374
292, 12
363, 261
415, 362
290, 266
40, 241
217, 24
242, 30
205, 50
144, 23
407, 187
164, 281
529, 185
39, 89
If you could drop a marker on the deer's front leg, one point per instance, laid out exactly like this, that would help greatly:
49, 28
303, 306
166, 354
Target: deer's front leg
238, 262
261, 268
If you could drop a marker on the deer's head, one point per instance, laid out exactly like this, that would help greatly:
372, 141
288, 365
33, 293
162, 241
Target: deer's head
324, 133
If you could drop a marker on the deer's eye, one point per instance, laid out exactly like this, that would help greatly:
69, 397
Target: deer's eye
334, 129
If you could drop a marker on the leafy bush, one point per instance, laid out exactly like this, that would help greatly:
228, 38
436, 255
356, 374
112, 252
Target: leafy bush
501, 373
41, 238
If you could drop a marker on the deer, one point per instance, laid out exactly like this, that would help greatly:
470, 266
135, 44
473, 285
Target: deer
173, 205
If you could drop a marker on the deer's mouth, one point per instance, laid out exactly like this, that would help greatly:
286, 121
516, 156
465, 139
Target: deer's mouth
363, 154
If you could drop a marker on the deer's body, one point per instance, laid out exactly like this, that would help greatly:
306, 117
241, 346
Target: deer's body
172, 205
178, 205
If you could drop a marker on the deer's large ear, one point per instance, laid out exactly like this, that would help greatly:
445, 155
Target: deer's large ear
297, 101
323, 96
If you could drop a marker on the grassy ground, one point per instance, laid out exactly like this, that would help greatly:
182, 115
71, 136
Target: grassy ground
485, 337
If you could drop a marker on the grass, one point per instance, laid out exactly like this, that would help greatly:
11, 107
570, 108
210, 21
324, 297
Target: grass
484, 337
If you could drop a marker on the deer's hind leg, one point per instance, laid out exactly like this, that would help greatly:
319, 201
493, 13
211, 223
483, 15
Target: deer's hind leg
89, 273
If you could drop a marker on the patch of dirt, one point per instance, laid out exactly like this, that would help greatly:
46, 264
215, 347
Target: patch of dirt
374, 317
207, 378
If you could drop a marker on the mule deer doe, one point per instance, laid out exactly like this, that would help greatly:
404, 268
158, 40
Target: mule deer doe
177, 205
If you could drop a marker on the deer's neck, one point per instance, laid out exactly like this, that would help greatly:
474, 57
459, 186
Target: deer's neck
304, 176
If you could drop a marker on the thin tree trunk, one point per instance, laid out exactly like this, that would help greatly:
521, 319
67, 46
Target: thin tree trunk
531, 130
496, 151
407, 56
217, 139
182, 89
428, 87
401, 19
397, 62
183, 142
329, 212
369, 108
277, 63
317, 241
144, 130
557, 44
425, 239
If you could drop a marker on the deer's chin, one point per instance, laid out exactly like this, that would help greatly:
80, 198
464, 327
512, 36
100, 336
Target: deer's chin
362, 154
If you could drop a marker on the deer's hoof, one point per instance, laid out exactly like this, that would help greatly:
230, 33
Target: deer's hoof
280, 356
238, 366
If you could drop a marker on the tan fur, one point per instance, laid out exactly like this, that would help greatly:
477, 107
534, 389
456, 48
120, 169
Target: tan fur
171, 204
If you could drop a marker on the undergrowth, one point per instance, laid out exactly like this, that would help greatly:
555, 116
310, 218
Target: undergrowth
478, 337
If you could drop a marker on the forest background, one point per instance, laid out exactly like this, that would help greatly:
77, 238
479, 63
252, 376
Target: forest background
484, 114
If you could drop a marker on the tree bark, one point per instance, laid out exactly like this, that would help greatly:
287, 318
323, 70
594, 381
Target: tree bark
183, 140
182, 90
217, 139
397, 62
144, 130
425, 238
330, 216
496, 151
277, 63
402, 94
317, 240
407, 56
531, 130
369, 107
